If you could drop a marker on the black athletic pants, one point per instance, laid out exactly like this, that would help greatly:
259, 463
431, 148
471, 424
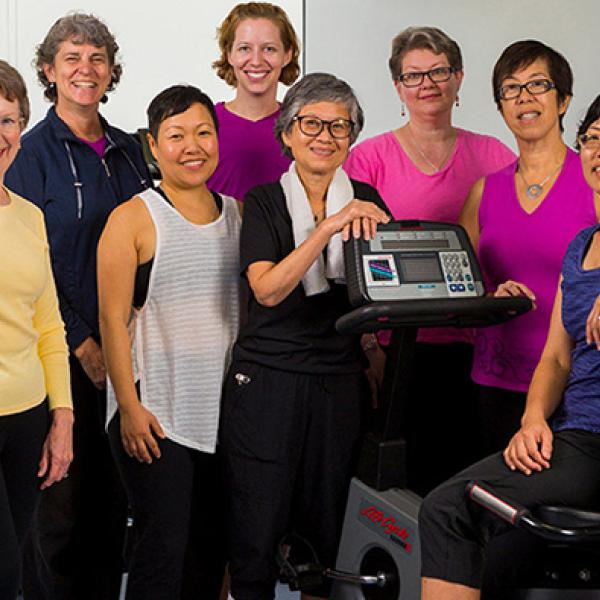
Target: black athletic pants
76, 545
179, 525
289, 442
455, 532
22, 436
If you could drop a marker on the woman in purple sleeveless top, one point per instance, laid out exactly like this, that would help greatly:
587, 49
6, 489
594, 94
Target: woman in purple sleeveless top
521, 220
259, 49
556, 463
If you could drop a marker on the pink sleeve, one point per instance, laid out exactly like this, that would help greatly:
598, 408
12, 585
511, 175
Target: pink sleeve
500, 155
359, 166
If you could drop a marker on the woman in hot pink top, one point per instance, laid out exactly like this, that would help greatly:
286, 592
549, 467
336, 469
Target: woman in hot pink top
521, 221
424, 170
259, 49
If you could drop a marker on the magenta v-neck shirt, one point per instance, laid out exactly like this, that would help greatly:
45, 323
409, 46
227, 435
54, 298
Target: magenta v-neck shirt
249, 154
528, 248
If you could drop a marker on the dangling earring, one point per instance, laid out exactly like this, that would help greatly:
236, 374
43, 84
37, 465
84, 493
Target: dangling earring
403, 110
457, 102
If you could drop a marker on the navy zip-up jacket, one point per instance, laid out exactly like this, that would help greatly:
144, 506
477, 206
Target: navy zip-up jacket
76, 190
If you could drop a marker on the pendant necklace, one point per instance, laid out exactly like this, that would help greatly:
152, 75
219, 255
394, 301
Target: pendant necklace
534, 191
435, 168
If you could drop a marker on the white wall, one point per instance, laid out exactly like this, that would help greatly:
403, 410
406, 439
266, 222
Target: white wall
352, 38
162, 42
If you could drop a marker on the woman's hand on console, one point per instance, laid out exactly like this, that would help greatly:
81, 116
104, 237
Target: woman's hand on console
514, 288
357, 218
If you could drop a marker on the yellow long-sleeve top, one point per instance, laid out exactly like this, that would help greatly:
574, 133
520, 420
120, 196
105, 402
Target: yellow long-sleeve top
33, 352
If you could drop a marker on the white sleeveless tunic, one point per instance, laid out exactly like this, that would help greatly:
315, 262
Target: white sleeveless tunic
183, 336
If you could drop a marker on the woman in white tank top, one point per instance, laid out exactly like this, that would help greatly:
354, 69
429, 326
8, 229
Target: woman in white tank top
168, 270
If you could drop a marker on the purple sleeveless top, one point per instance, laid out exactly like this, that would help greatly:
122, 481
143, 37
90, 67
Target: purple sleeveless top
580, 408
528, 248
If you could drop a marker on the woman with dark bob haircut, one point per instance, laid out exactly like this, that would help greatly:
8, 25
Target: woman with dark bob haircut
521, 220
293, 395
554, 458
36, 416
168, 265
77, 167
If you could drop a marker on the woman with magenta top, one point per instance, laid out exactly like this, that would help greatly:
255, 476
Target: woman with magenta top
259, 49
424, 170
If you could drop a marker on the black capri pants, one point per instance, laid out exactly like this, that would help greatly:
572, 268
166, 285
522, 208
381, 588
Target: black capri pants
455, 532
289, 444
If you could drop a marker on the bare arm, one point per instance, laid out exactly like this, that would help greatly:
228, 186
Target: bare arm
272, 282
117, 265
530, 449
469, 216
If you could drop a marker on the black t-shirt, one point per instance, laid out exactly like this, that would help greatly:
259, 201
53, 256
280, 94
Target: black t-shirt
299, 333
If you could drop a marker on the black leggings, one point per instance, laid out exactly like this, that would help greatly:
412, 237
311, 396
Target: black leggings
178, 543
21, 439
455, 532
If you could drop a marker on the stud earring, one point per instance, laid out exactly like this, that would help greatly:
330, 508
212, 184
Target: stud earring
402, 110
457, 102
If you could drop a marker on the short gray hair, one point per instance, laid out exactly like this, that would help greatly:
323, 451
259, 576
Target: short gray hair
423, 38
317, 87
82, 29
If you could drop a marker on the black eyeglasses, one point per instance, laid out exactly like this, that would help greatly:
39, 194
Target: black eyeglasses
313, 126
510, 91
589, 141
416, 78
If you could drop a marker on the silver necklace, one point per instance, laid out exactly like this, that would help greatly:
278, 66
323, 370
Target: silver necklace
534, 191
435, 168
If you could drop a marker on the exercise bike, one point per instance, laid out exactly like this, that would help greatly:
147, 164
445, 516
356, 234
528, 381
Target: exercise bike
412, 274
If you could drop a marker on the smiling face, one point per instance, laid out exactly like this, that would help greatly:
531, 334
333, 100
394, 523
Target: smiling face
323, 154
532, 117
10, 133
590, 157
258, 56
428, 98
186, 150
81, 72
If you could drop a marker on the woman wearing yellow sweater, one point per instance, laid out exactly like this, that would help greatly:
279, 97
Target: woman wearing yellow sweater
36, 417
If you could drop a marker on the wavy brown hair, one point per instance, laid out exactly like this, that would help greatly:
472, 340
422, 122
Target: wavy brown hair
257, 10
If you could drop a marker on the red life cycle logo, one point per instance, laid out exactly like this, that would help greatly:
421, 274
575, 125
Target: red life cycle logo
387, 526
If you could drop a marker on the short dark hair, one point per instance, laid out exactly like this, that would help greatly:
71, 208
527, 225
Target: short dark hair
520, 55
81, 28
12, 87
175, 100
591, 116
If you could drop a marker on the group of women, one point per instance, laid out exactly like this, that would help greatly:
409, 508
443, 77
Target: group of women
207, 422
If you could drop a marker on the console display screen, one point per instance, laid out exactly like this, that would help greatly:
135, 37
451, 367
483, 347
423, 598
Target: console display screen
420, 270
410, 244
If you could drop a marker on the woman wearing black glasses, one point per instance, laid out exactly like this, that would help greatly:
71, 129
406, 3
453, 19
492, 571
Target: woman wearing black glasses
424, 170
554, 456
521, 221
293, 395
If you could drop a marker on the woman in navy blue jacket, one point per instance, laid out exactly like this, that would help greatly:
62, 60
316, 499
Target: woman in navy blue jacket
78, 168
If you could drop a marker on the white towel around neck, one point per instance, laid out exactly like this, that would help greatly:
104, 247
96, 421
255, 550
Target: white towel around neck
339, 193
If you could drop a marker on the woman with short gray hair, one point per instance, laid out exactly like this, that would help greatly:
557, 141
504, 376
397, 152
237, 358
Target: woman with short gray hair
424, 170
293, 395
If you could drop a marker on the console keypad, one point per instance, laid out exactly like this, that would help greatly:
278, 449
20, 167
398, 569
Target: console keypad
457, 274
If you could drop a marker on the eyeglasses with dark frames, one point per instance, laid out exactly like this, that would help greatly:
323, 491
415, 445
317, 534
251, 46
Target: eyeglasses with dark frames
313, 126
416, 78
535, 87
589, 141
